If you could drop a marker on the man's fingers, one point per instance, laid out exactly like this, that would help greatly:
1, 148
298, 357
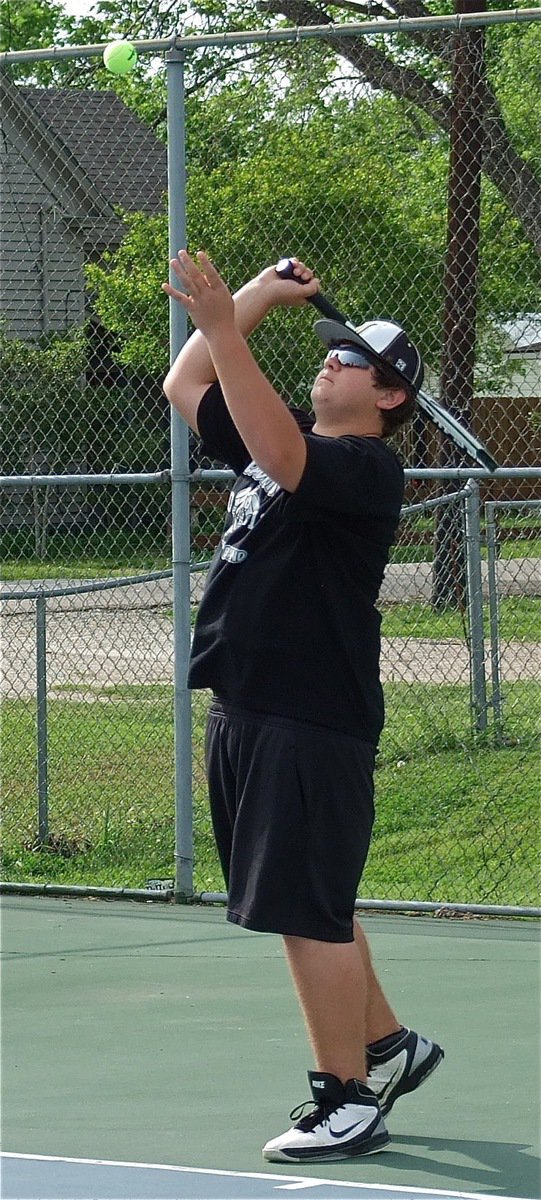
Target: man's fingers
211, 274
175, 294
302, 272
181, 278
189, 274
179, 267
193, 276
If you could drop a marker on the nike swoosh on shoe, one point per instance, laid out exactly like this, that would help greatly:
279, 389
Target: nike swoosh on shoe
344, 1132
385, 1079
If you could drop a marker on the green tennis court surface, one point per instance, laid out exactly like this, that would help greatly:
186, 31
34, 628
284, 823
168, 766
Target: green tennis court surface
149, 1051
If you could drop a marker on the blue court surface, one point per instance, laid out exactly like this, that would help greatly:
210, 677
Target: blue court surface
149, 1051
28, 1177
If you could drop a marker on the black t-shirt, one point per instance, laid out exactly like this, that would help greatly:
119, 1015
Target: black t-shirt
287, 623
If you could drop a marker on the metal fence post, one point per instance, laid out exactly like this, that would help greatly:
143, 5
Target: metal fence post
41, 720
494, 617
475, 605
180, 496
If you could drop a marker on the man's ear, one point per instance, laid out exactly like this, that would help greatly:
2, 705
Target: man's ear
392, 398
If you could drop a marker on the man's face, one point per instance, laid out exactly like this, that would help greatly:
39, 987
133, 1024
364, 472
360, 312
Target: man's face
350, 393
347, 381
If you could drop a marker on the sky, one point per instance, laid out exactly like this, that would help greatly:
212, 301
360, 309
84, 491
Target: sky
78, 8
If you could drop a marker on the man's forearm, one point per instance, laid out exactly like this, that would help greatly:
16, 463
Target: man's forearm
267, 428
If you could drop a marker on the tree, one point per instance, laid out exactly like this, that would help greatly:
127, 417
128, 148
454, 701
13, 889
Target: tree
60, 417
334, 149
302, 188
42, 389
415, 67
271, 174
25, 23
460, 291
39, 24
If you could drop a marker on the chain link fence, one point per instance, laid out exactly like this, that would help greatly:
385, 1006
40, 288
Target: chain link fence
403, 165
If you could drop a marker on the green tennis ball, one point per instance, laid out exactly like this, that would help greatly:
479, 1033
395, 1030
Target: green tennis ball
120, 57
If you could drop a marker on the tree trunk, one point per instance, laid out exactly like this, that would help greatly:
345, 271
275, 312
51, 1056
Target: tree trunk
460, 291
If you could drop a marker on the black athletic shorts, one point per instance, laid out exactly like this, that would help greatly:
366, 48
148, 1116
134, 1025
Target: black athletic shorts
292, 810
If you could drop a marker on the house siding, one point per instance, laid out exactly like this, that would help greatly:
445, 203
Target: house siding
41, 282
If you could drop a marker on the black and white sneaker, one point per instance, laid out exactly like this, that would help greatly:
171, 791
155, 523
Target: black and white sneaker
399, 1065
346, 1122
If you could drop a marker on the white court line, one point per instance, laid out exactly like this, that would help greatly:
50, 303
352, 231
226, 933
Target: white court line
296, 1179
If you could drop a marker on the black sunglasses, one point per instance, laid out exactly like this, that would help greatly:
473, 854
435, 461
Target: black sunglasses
349, 356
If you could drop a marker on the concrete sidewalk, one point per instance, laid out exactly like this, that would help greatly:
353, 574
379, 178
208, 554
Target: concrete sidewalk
125, 636
403, 582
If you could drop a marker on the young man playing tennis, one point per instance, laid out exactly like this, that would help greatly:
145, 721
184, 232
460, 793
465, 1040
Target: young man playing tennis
287, 638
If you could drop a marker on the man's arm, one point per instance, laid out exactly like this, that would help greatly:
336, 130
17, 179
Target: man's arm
194, 370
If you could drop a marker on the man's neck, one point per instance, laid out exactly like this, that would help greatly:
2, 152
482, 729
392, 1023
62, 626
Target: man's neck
347, 429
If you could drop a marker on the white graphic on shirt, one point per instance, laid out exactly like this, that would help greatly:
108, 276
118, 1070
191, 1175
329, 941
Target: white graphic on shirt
232, 554
269, 485
243, 507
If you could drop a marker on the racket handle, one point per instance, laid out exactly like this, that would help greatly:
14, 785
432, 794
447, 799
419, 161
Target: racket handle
284, 268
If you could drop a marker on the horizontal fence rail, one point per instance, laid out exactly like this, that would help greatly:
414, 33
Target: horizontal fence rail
209, 475
176, 41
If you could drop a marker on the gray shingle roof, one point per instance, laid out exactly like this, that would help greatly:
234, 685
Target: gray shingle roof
122, 157
524, 332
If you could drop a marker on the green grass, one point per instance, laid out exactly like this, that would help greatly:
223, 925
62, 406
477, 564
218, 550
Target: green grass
108, 562
509, 549
98, 552
110, 788
519, 620
518, 549
84, 556
457, 816
453, 807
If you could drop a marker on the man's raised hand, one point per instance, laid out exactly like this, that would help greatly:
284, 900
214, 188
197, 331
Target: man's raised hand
204, 294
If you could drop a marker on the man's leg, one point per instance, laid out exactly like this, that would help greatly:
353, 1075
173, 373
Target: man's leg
331, 985
343, 1004
346, 1121
380, 1020
337, 985
398, 1059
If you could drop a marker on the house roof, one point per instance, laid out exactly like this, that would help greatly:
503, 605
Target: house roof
524, 333
124, 160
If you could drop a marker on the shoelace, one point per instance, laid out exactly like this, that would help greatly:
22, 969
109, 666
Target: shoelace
319, 1115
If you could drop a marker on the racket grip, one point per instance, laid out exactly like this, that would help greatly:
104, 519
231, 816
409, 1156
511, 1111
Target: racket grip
284, 268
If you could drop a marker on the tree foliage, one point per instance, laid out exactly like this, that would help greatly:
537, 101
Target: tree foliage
30, 23
413, 67
303, 189
42, 388
337, 151
369, 214
54, 415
